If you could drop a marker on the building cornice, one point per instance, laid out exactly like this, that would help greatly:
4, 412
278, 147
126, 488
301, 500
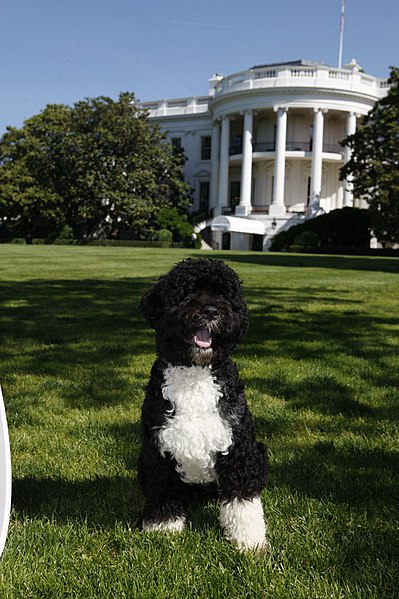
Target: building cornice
291, 91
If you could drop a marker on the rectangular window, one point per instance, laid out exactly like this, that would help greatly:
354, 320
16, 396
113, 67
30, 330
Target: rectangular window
176, 143
235, 192
236, 145
206, 147
204, 190
308, 191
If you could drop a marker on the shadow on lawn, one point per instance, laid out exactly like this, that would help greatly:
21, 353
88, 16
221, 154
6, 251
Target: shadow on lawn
100, 502
81, 337
317, 261
353, 475
315, 323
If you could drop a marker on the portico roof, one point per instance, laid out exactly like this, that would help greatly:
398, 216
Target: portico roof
234, 224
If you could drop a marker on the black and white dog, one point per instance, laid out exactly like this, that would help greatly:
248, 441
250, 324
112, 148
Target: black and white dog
198, 433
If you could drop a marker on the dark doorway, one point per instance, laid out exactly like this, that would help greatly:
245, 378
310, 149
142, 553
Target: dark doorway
257, 243
226, 241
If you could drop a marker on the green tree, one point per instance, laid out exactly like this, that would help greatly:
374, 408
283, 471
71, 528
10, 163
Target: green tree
100, 166
374, 163
30, 205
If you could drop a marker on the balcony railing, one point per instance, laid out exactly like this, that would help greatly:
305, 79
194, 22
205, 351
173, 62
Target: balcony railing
310, 76
333, 149
192, 105
291, 146
264, 146
274, 77
235, 148
298, 146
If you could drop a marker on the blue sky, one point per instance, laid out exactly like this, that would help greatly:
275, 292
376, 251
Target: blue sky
60, 51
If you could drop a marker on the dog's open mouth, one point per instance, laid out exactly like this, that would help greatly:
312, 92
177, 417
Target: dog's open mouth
202, 338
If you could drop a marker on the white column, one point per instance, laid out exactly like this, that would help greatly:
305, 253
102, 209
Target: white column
215, 148
244, 206
348, 186
224, 165
317, 160
277, 207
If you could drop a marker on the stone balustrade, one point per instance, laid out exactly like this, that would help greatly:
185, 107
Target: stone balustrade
283, 76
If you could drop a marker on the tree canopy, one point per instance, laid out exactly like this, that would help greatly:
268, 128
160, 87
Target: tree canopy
374, 163
98, 166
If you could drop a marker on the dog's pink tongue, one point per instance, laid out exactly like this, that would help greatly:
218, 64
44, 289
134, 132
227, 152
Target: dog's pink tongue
202, 338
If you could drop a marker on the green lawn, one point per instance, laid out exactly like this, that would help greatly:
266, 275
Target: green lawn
322, 373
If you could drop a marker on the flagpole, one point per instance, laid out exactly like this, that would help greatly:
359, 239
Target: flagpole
341, 34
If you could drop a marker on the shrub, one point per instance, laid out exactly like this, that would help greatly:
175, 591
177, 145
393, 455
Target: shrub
65, 233
345, 227
307, 241
164, 235
61, 241
169, 218
138, 243
18, 240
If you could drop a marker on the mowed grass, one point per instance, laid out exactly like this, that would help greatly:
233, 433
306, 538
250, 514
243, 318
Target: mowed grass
320, 363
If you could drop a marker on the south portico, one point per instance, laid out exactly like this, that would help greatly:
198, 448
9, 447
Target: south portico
267, 167
265, 145
278, 155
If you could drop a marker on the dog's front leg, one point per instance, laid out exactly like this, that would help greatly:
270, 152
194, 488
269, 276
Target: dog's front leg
243, 523
242, 476
164, 508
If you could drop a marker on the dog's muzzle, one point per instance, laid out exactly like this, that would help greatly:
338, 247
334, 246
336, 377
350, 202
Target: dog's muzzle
202, 337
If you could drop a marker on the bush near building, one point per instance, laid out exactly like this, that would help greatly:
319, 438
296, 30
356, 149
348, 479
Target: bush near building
345, 229
307, 241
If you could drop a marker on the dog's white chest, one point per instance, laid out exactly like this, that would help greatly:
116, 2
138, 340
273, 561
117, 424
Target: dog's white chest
195, 432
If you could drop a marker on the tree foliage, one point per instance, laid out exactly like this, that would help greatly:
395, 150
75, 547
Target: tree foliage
374, 163
97, 167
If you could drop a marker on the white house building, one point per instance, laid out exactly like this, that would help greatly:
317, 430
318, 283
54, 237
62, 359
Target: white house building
263, 147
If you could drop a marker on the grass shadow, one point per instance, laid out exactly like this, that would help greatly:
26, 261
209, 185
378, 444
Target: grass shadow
350, 474
314, 323
100, 502
359, 263
80, 337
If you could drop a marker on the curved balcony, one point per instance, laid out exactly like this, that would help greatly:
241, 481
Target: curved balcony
291, 146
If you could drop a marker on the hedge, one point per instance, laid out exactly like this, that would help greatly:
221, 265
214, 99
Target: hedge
345, 227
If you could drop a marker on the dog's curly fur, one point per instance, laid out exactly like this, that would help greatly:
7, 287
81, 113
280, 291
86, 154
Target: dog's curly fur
198, 433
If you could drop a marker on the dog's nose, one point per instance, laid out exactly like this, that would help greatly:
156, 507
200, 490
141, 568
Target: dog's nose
210, 312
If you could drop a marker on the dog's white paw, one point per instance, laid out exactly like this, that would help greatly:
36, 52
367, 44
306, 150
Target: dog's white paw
172, 525
243, 523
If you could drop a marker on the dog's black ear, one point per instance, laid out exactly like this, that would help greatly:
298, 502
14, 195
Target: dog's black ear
151, 305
